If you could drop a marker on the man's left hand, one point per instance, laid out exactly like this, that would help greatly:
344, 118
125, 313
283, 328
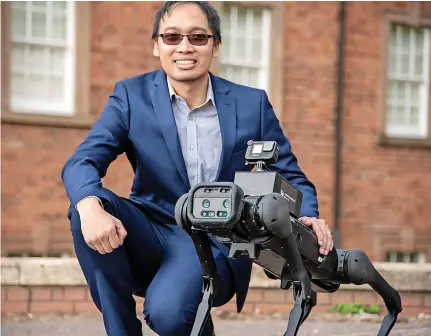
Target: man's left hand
324, 236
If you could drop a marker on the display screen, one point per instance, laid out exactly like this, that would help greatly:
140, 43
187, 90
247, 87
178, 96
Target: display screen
257, 148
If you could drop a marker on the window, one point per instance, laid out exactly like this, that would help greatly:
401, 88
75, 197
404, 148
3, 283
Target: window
245, 54
398, 257
253, 46
45, 63
408, 81
406, 75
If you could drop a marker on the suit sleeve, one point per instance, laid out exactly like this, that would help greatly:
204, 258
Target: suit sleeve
108, 138
287, 164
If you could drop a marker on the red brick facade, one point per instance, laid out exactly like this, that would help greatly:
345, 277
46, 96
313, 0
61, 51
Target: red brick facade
77, 299
385, 193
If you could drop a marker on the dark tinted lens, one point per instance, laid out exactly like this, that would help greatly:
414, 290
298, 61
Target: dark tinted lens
172, 39
198, 39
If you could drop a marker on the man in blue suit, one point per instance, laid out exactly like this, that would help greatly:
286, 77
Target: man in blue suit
178, 126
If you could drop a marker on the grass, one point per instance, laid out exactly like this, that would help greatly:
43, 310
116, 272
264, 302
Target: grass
355, 308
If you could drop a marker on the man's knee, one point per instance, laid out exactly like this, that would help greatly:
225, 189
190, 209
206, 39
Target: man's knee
169, 320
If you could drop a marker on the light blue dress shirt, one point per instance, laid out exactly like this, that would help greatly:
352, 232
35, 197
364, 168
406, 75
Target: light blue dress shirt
199, 135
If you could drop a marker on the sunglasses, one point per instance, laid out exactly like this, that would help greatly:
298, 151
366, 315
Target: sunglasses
194, 39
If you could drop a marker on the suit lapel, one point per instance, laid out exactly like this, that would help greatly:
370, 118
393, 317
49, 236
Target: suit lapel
163, 108
226, 110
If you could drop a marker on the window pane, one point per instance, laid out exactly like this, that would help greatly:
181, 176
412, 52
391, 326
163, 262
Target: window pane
17, 85
237, 75
36, 87
393, 91
57, 89
39, 5
18, 22
242, 17
414, 94
59, 5
399, 119
38, 24
404, 64
414, 116
254, 77
57, 61
18, 56
240, 48
225, 47
419, 64
59, 29
391, 113
392, 61
257, 23
225, 19
257, 51
405, 38
402, 88
36, 58
419, 43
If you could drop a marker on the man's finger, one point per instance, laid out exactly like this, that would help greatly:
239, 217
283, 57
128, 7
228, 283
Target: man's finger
330, 241
99, 247
327, 237
305, 220
106, 245
92, 246
320, 234
121, 231
114, 240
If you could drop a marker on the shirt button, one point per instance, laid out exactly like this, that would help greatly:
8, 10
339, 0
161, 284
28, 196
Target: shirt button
192, 147
192, 177
190, 118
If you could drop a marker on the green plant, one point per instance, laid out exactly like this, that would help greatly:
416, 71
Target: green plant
355, 308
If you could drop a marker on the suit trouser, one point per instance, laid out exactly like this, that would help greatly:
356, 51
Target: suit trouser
157, 261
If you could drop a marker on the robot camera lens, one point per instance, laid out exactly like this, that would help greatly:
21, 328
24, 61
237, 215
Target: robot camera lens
206, 203
226, 203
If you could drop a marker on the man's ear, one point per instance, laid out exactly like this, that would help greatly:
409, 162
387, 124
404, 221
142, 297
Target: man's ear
216, 50
156, 52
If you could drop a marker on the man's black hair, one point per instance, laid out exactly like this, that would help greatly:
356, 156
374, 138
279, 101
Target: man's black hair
210, 12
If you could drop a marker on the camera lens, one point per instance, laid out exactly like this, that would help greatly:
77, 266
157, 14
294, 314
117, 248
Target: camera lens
206, 203
226, 203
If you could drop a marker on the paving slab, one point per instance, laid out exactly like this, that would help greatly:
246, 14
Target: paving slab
93, 325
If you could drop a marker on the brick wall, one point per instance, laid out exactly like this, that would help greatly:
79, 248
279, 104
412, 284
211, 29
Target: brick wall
385, 190
76, 299
34, 203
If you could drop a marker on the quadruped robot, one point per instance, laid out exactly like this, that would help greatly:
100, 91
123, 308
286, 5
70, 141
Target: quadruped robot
257, 215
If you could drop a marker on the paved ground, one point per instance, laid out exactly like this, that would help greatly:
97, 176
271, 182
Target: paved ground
92, 325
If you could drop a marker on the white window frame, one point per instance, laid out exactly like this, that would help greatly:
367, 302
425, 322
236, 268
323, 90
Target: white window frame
407, 257
231, 60
407, 131
67, 108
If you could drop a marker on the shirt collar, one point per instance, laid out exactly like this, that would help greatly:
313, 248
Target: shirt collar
210, 93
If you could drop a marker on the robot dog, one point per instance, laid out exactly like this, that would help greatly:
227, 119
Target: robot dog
257, 215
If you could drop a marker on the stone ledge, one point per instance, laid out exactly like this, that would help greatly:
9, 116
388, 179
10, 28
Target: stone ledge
66, 271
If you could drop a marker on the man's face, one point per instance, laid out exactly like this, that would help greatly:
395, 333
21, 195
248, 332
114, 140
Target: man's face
185, 62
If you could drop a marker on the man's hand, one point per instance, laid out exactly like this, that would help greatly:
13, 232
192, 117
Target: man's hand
102, 231
324, 236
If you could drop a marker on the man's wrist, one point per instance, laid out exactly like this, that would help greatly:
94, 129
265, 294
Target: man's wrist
88, 202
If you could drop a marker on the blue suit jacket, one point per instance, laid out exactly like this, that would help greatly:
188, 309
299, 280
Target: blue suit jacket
138, 120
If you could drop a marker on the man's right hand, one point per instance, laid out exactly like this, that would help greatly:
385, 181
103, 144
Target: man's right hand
102, 231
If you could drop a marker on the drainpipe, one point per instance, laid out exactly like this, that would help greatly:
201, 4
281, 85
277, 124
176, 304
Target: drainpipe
338, 126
